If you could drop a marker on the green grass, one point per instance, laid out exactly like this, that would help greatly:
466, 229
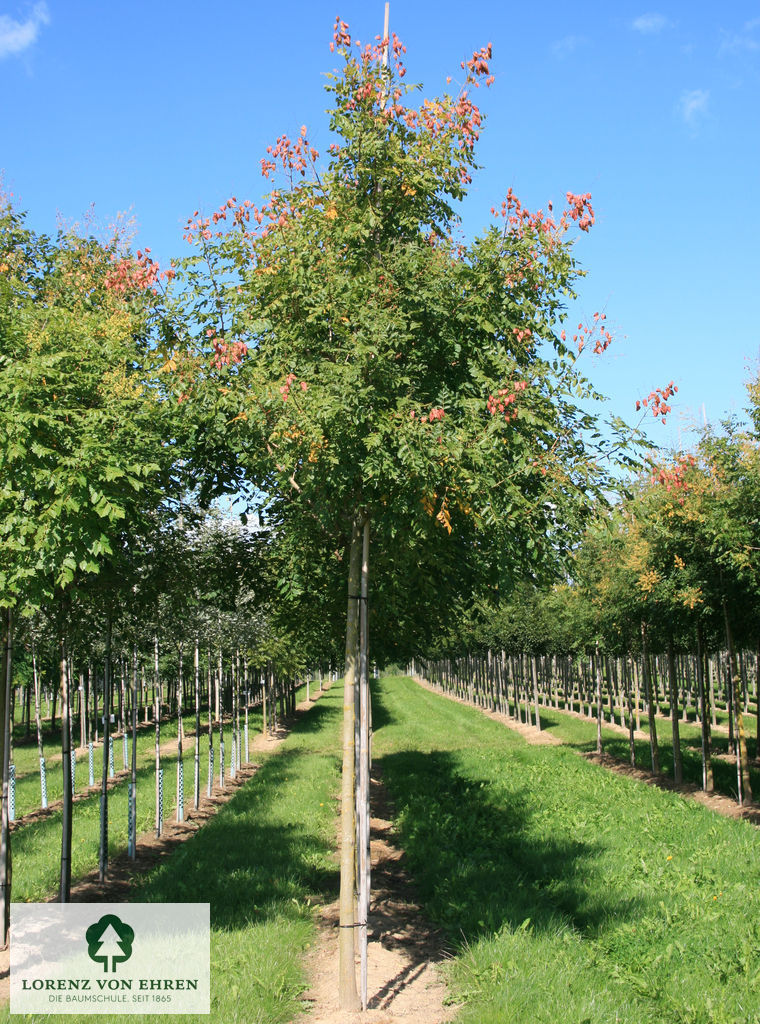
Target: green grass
581, 735
262, 862
568, 893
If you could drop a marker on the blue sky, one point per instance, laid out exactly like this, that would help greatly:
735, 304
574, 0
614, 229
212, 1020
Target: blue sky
162, 108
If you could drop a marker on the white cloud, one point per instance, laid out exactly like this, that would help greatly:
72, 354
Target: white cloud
650, 24
743, 41
16, 36
567, 45
693, 105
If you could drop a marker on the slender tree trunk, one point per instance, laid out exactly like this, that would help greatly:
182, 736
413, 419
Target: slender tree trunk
197, 765
210, 781
234, 750
66, 822
238, 756
133, 793
364, 765
730, 708
218, 707
123, 708
37, 714
534, 671
82, 711
348, 995
103, 852
27, 713
264, 687
707, 773
157, 723
654, 749
94, 716
673, 682
745, 791
6, 680
598, 667
220, 712
628, 682
180, 737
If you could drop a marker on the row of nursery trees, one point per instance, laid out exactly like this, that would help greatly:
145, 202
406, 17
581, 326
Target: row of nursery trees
187, 635
337, 357
660, 612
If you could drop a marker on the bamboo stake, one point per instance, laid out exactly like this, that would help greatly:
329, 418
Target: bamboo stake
364, 765
348, 996
103, 853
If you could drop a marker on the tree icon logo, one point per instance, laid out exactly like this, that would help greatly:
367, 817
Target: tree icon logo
109, 939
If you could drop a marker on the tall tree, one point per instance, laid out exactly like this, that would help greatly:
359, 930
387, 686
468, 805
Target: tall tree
85, 465
376, 371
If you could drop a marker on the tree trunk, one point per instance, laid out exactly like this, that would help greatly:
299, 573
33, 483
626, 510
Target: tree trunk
745, 787
66, 822
37, 715
677, 763
180, 737
82, 711
218, 708
628, 678
264, 685
197, 765
103, 853
534, 672
348, 995
157, 717
707, 773
6, 677
654, 749
220, 713
364, 766
132, 839
598, 667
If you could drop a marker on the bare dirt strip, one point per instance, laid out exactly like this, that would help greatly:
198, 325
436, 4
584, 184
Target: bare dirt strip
403, 948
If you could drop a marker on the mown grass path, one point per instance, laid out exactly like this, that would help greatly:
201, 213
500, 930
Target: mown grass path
571, 894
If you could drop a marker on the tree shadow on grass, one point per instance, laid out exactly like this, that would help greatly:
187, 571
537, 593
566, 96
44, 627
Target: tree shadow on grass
476, 860
248, 863
381, 715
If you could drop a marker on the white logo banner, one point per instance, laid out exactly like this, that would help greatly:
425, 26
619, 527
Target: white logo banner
110, 958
